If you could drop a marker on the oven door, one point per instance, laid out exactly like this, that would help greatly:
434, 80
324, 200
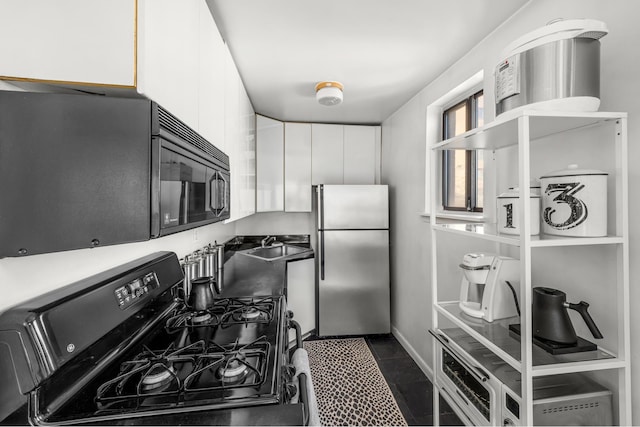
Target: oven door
472, 391
189, 191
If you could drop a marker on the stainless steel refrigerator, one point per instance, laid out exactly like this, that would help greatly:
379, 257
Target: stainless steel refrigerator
352, 259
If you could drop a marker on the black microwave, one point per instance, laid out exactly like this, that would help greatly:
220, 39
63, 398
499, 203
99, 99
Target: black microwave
80, 171
190, 179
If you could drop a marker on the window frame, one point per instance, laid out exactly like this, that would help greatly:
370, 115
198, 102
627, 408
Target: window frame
471, 160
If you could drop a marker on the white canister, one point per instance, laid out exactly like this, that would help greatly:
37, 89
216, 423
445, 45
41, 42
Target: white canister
509, 211
574, 202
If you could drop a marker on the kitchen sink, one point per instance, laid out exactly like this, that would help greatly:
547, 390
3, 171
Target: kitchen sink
272, 253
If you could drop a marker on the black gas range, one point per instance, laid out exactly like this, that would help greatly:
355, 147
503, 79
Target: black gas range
122, 347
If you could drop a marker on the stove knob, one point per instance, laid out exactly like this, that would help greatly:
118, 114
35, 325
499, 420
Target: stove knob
289, 314
288, 371
290, 390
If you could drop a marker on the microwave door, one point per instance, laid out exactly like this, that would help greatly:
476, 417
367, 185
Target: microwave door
174, 203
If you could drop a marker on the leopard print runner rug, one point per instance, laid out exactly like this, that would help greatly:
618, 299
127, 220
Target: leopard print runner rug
349, 387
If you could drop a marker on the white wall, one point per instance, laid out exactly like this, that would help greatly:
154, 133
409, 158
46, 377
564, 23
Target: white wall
404, 153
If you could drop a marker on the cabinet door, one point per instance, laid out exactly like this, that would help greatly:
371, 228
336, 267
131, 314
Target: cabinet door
301, 294
297, 167
326, 154
359, 154
168, 56
211, 80
269, 165
73, 41
248, 137
239, 141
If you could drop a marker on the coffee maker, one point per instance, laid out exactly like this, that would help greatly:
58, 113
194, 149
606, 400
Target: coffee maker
490, 285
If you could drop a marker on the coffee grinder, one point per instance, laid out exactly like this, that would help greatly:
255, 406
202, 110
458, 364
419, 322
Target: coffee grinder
490, 286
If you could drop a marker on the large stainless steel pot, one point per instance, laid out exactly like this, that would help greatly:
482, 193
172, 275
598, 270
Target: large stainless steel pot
556, 67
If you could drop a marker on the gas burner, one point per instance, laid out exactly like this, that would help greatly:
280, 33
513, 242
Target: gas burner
235, 370
150, 373
158, 378
245, 311
183, 317
231, 366
250, 313
201, 317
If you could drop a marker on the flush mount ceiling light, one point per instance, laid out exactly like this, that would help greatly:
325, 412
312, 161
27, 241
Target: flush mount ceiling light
329, 93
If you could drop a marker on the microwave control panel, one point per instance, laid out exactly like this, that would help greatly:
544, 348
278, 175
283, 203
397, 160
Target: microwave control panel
136, 290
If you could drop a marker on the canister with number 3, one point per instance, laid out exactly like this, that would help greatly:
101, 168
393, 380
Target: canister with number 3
574, 202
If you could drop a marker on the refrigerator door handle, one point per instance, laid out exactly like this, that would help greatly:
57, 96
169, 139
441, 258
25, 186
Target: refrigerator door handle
320, 191
321, 255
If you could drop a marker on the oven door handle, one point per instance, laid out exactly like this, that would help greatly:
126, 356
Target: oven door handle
474, 370
298, 329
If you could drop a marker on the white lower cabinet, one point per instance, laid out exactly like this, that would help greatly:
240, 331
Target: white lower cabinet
297, 167
301, 294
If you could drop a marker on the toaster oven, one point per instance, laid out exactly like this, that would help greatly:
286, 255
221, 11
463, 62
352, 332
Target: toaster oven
489, 393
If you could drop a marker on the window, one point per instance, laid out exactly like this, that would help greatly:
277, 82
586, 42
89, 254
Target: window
462, 170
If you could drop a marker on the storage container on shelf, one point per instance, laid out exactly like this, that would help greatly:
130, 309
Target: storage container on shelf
556, 67
509, 210
574, 202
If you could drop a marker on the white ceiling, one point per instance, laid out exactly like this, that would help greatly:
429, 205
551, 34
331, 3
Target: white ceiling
383, 51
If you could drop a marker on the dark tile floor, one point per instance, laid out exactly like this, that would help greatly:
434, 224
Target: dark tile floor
411, 388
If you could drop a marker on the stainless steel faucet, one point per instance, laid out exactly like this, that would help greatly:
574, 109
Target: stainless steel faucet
267, 241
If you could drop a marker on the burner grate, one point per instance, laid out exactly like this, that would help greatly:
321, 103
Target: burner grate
171, 376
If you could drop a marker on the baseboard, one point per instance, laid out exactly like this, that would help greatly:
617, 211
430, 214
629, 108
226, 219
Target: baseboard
413, 353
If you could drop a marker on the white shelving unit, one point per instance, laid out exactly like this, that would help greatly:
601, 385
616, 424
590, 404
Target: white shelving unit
521, 131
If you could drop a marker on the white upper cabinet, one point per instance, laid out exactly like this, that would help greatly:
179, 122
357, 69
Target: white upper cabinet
327, 158
75, 41
240, 144
360, 154
211, 81
166, 50
168, 57
270, 165
291, 157
297, 167
345, 154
